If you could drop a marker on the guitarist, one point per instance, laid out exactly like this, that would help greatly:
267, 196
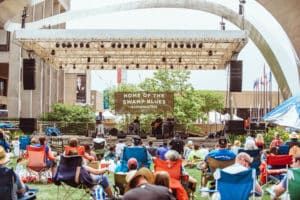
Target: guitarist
158, 127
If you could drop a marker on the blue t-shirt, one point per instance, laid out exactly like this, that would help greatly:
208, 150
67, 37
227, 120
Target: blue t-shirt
5, 145
161, 151
221, 154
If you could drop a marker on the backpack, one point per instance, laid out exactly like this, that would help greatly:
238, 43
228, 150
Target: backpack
294, 150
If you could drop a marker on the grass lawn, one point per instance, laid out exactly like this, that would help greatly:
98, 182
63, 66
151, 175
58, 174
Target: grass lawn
51, 192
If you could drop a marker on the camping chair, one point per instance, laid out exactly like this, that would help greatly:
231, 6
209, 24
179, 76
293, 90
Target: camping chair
120, 183
255, 154
36, 157
293, 183
178, 181
283, 150
277, 162
238, 186
213, 164
6, 185
71, 176
139, 153
24, 141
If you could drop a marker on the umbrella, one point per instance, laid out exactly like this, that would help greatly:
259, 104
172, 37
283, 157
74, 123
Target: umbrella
286, 114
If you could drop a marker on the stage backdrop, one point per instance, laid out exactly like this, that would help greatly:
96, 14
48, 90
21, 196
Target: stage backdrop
144, 102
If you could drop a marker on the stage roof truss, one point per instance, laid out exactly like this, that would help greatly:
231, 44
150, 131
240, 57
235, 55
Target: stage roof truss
134, 49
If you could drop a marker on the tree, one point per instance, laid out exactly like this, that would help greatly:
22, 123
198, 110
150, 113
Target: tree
69, 113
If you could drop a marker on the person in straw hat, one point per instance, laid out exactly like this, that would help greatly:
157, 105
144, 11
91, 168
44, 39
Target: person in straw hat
293, 140
140, 187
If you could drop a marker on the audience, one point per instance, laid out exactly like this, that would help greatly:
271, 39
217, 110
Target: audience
250, 145
277, 141
282, 186
140, 187
236, 146
3, 142
259, 141
161, 151
242, 163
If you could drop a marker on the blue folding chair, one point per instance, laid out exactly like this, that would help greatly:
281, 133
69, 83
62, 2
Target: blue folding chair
139, 153
24, 141
255, 154
238, 186
283, 150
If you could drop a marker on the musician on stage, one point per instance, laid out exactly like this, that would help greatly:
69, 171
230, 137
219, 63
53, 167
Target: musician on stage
157, 127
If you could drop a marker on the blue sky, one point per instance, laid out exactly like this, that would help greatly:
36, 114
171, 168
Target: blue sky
253, 61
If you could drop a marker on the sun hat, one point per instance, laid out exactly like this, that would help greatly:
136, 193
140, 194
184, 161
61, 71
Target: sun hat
4, 158
293, 135
145, 172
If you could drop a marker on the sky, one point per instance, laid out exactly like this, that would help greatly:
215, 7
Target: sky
163, 18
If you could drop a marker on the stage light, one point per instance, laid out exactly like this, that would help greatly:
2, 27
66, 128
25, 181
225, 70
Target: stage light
81, 44
69, 45
210, 53
57, 45
52, 52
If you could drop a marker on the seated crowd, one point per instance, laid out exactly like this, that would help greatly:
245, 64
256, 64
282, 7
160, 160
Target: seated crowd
141, 183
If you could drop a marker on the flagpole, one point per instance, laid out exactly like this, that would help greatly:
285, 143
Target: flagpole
270, 88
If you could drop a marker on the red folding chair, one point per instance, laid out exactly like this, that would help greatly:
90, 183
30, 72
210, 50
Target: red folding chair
279, 165
176, 178
36, 157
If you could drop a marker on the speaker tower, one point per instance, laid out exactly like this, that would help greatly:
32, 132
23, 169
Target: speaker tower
29, 74
236, 75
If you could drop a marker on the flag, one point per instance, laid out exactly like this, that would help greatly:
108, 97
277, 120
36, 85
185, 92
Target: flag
270, 77
264, 80
256, 83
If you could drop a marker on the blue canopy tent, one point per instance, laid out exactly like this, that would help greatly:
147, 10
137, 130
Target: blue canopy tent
286, 114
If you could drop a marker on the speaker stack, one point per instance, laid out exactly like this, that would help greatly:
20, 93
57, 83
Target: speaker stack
234, 127
28, 125
236, 75
29, 74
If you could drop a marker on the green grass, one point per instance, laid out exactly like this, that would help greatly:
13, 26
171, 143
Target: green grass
51, 192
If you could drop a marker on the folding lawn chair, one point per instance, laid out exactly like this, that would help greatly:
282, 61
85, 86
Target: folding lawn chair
120, 183
24, 142
293, 183
72, 176
139, 153
36, 157
255, 154
238, 186
6, 185
277, 162
213, 164
178, 181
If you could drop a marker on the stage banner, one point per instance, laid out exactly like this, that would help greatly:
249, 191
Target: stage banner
144, 102
81, 89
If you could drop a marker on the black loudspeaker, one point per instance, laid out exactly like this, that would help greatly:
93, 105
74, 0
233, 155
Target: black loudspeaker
234, 127
28, 125
29, 74
236, 75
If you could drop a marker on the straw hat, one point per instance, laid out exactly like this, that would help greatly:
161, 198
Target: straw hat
145, 172
293, 135
3, 156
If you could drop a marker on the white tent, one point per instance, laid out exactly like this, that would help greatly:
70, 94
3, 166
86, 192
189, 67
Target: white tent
234, 117
107, 115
